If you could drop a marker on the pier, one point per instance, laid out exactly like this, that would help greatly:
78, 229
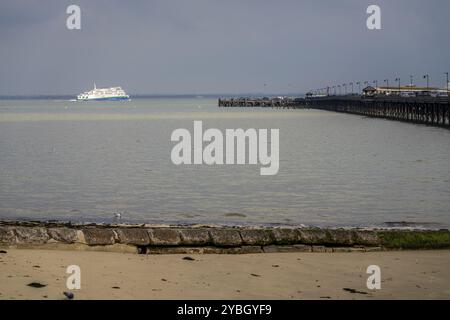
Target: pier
284, 103
428, 110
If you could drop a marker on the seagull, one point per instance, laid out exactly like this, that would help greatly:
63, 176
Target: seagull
118, 215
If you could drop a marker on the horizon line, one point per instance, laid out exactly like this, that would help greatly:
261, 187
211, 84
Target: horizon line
144, 95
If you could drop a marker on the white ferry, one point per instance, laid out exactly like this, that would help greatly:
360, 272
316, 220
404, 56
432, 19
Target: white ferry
113, 93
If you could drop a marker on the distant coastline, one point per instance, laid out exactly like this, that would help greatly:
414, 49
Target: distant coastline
147, 96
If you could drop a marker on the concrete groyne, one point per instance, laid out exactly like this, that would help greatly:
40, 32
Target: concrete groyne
147, 239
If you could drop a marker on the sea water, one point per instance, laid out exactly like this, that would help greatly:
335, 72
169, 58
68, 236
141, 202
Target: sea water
89, 161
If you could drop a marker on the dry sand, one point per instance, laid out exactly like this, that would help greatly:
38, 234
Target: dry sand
404, 274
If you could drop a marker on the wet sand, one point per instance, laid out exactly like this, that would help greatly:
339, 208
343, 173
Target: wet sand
404, 275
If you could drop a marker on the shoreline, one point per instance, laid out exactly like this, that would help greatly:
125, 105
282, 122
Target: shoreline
210, 262
156, 239
287, 276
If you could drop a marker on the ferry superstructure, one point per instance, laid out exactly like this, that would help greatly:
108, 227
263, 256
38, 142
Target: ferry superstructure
113, 93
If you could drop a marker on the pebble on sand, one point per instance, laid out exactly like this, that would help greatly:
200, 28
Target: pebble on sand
188, 258
36, 285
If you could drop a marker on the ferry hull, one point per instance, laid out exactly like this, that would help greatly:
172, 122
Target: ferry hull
106, 99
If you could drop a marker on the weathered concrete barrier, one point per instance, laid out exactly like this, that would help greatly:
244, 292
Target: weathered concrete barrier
182, 239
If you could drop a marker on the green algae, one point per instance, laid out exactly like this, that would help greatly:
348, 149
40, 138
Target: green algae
396, 239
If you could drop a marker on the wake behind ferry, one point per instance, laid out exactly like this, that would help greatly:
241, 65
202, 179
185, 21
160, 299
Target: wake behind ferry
102, 94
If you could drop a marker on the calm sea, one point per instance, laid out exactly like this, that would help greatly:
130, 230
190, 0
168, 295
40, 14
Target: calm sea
63, 160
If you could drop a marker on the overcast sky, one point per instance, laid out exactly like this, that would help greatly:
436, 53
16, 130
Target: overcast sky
217, 46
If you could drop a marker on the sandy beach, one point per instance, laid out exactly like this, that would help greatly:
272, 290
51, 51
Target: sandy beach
404, 275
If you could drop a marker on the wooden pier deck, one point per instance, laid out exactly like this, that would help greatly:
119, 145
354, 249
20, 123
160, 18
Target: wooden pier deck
433, 111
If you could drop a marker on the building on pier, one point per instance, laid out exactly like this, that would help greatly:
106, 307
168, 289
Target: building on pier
404, 91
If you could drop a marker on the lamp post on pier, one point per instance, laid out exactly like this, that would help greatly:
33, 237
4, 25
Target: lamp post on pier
359, 86
446, 82
351, 84
411, 81
398, 79
345, 88
428, 81
387, 84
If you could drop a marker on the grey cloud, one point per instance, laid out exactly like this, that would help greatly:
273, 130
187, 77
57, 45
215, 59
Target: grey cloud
212, 46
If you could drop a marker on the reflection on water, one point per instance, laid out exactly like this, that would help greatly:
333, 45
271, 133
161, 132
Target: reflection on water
88, 161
